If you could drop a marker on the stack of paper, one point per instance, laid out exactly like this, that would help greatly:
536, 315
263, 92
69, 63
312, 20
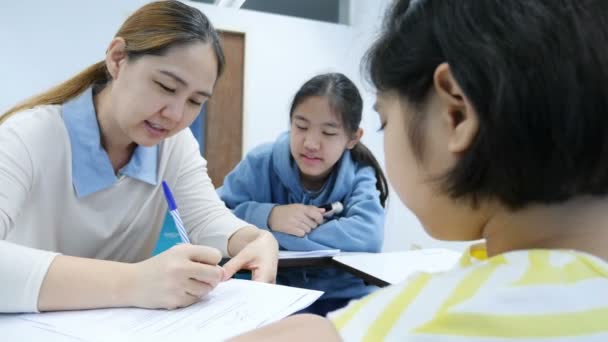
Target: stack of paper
322, 253
232, 308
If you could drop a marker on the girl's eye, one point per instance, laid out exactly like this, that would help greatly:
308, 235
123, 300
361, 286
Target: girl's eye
196, 103
165, 88
382, 125
330, 134
300, 127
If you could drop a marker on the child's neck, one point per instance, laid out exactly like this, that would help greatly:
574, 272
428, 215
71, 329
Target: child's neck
314, 183
580, 224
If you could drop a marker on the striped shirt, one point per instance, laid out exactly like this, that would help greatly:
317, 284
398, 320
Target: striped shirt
537, 295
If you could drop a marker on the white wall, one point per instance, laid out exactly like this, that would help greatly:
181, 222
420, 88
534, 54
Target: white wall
281, 53
44, 43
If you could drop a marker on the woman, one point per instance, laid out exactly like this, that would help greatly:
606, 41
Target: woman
80, 173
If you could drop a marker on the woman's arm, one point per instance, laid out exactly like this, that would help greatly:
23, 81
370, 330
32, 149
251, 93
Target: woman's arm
79, 283
176, 278
209, 222
253, 249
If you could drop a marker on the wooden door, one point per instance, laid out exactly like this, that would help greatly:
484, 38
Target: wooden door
223, 126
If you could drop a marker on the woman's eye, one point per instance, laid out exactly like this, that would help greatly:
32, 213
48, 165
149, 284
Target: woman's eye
196, 103
165, 88
330, 134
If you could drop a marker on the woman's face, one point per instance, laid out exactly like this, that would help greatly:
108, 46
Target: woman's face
154, 97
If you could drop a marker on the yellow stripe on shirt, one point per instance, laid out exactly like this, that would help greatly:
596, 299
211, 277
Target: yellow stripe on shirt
519, 326
501, 298
385, 322
541, 271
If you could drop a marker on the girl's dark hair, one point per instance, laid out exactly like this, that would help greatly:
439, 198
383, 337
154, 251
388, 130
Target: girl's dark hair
536, 72
344, 99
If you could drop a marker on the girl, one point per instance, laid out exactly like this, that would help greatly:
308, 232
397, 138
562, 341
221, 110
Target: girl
278, 187
504, 148
80, 173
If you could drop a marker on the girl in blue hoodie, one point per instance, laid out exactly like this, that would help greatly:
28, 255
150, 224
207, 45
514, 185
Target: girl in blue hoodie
280, 186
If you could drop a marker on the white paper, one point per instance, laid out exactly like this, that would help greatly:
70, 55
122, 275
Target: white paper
308, 254
395, 267
232, 308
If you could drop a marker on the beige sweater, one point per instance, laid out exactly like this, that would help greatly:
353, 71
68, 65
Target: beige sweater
40, 214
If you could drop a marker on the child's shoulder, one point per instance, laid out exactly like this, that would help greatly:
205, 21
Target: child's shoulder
358, 169
265, 150
260, 155
495, 292
261, 150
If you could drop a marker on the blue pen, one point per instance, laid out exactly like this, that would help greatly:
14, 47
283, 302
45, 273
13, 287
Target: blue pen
175, 214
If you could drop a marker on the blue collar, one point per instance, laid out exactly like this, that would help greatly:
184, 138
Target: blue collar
91, 167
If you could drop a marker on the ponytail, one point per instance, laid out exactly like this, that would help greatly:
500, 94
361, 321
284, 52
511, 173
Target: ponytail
96, 73
361, 154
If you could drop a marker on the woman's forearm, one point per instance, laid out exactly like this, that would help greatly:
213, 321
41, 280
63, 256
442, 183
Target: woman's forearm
241, 238
80, 283
252, 249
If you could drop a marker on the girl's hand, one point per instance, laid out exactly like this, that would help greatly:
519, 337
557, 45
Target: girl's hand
295, 219
176, 278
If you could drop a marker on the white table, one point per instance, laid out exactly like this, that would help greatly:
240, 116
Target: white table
384, 269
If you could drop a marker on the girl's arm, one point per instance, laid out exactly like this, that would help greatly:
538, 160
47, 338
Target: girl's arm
360, 229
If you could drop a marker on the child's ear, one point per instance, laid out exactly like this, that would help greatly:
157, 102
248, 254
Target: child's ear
355, 139
116, 55
458, 113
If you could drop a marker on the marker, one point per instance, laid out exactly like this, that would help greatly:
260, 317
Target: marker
175, 214
332, 209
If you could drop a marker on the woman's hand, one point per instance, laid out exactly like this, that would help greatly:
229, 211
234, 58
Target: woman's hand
295, 219
176, 278
255, 250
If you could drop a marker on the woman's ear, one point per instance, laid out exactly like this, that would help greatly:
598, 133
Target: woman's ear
458, 113
355, 139
116, 55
